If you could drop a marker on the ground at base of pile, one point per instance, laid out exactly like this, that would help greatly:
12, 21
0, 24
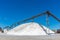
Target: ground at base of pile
40, 37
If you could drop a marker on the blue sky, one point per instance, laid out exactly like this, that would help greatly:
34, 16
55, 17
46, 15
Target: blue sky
12, 11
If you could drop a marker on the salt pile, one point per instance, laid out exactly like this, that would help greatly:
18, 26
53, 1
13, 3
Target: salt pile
31, 28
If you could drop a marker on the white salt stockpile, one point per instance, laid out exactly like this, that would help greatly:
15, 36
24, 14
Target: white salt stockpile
31, 28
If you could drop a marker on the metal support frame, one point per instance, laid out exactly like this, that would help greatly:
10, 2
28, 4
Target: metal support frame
32, 18
47, 23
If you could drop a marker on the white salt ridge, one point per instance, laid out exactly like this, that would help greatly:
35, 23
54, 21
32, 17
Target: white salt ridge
31, 28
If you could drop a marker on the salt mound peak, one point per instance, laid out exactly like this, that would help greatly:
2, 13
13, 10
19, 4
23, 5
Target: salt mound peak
31, 28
